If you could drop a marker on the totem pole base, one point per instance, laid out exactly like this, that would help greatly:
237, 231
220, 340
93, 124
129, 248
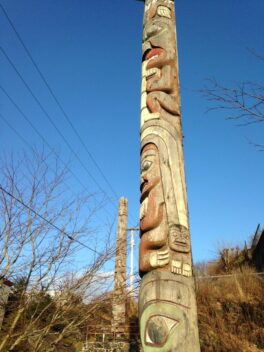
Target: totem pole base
167, 313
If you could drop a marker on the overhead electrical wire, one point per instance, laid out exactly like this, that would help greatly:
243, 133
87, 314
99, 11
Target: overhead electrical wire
58, 102
39, 134
26, 118
66, 116
51, 223
28, 144
15, 131
54, 125
46, 220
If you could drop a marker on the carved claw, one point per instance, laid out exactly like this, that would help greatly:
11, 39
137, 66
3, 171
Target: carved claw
187, 270
177, 267
159, 258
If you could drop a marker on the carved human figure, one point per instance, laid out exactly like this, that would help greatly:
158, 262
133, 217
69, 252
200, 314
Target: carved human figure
153, 225
165, 242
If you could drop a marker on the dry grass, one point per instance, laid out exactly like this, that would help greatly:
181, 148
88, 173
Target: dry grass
231, 312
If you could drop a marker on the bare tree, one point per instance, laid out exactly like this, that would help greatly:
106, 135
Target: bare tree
243, 103
42, 230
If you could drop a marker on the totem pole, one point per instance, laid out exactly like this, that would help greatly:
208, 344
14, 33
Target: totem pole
5, 288
119, 296
167, 304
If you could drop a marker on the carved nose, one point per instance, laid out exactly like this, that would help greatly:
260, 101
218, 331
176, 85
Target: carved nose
143, 179
150, 31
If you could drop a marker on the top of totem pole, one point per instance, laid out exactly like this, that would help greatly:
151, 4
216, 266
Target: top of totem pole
123, 202
165, 1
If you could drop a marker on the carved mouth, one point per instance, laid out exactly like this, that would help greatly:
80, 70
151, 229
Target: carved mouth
144, 189
144, 208
153, 54
155, 58
152, 58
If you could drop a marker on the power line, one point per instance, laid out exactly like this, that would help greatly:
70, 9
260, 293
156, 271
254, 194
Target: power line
46, 220
61, 109
39, 215
57, 101
53, 124
44, 141
51, 223
15, 131
28, 144
26, 118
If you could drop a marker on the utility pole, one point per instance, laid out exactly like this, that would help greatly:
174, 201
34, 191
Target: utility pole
132, 245
167, 303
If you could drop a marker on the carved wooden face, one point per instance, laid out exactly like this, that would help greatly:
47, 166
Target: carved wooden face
163, 310
159, 31
151, 211
164, 328
159, 59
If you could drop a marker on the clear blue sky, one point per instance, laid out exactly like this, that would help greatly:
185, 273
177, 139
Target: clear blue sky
90, 53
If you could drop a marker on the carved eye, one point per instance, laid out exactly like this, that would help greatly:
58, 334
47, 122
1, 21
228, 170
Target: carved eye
146, 165
152, 31
164, 11
158, 329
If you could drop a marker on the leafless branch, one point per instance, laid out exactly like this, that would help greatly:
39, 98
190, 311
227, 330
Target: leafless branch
48, 304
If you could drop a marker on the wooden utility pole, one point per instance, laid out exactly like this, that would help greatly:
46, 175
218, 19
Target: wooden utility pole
132, 245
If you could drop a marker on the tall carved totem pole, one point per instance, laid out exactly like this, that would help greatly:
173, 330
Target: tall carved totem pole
167, 303
119, 298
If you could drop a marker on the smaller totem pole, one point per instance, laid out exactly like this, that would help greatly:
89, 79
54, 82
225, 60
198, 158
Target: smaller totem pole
5, 287
119, 297
167, 305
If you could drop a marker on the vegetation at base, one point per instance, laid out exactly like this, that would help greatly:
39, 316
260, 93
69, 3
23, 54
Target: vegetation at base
230, 305
44, 229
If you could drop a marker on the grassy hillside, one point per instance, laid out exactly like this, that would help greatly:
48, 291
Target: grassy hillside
230, 300
231, 312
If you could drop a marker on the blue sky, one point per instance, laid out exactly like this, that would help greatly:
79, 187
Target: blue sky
90, 53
